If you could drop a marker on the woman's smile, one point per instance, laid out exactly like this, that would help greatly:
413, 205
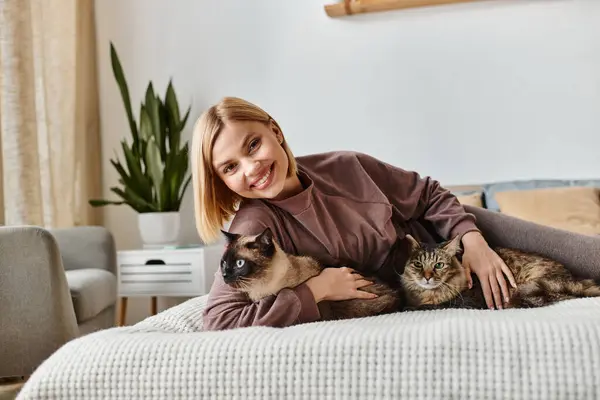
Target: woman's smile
265, 179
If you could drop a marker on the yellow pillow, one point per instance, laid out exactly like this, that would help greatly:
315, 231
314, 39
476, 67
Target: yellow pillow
575, 209
473, 199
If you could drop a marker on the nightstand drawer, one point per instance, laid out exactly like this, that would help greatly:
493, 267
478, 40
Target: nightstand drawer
165, 280
182, 272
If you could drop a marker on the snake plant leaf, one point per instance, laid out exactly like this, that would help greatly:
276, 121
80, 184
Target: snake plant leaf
182, 181
152, 106
172, 103
173, 116
156, 111
163, 115
184, 120
122, 83
146, 206
175, 160
125, 178
143, 147
179, 129
166, 184
155, 168
145, 124
136, 201
184, 188
145, 134
134, 168
100, 203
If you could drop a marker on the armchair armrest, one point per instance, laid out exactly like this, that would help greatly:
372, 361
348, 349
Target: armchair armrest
86, 247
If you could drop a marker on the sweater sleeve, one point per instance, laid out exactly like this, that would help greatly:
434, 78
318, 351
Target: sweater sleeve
228, 308
416, 197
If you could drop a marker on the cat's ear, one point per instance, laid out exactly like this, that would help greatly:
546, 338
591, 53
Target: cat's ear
414, 244
230, 236
265, 239
452, 246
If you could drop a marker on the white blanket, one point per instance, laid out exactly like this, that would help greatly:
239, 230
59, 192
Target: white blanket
548, 353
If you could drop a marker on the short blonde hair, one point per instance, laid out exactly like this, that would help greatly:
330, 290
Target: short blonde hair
214, 202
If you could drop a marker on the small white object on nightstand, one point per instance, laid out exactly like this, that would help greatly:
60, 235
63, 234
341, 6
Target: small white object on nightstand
176, 272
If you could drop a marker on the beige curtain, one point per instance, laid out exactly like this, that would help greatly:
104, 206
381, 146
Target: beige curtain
50, 145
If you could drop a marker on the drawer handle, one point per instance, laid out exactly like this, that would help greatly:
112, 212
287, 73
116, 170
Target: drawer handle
155, 262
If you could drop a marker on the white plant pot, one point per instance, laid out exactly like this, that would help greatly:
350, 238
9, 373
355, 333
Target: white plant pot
159, 229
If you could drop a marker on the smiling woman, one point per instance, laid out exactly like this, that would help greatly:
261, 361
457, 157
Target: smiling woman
222, 164
259, 167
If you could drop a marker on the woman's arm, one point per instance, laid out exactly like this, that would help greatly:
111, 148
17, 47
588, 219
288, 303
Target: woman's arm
416, 198
228, 308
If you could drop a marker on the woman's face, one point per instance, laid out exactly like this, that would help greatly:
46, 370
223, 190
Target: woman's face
249, 158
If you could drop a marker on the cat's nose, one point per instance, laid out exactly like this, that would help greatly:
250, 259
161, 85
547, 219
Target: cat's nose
227, 275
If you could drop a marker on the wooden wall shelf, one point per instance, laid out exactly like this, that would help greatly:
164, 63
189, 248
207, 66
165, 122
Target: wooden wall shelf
349, 7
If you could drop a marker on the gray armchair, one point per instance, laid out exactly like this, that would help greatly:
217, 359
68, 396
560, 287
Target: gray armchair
89, 258
55, 285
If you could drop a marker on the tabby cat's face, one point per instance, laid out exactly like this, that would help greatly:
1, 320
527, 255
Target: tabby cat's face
246, 258
429, 267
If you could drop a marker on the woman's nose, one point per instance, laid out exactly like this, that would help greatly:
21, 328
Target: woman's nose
251, 168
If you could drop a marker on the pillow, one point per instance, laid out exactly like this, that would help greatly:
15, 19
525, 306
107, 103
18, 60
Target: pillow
473, 199
575, 209
490, 190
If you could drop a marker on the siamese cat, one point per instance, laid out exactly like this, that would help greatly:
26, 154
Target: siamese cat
433, 277
259, 267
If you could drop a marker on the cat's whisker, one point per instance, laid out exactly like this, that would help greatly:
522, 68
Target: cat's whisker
244, 283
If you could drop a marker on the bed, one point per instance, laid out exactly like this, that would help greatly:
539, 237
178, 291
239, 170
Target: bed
546, 353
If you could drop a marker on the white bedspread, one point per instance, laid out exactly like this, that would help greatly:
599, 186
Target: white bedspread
549, 353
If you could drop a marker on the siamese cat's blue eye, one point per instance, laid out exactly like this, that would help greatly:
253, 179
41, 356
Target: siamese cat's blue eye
240, 263
439, 265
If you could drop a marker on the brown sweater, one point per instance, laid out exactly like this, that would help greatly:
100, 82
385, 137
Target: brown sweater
351, 211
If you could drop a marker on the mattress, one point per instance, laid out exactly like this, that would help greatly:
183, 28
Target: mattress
545, 353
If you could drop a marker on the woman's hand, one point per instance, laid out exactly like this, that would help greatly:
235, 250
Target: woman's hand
339, 284
489, 268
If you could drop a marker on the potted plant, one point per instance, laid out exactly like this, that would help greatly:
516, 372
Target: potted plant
154, 175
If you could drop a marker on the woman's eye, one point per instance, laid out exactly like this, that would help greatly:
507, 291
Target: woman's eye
228, 168
240, 263
254, 144
439, 265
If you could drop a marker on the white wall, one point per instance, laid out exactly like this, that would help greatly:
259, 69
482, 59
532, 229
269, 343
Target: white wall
467, 93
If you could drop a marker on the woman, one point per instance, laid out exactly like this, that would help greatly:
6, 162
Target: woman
343, 208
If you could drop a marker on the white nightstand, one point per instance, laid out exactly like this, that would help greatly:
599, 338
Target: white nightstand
183, 272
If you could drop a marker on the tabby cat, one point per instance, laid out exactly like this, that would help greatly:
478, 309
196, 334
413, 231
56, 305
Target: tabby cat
433, 277
259, 267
